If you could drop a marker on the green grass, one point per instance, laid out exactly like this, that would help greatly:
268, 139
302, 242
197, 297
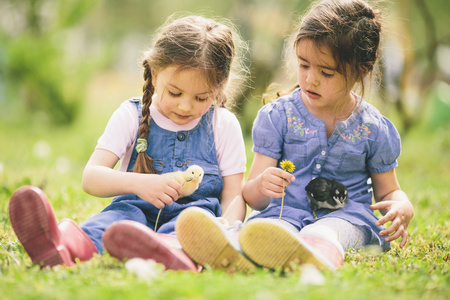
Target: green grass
420, 271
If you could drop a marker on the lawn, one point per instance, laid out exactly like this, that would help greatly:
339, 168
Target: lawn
53, 158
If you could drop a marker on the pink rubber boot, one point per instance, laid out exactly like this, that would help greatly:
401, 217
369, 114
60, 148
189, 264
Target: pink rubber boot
129, 239
76, 240
46, 242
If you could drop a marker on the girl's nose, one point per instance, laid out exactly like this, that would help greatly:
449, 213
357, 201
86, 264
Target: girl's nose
185, 104
312, 78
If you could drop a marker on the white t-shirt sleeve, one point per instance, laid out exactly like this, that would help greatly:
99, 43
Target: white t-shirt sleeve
230, 146
120, 133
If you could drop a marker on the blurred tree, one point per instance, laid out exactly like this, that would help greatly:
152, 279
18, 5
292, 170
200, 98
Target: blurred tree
46, 45
413, 67
39, 68
50, 48
265, 24
127, 28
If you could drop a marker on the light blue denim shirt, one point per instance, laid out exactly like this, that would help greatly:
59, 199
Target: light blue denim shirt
365, 142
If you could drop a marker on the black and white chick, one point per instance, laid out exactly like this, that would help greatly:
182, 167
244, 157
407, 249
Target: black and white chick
326, 193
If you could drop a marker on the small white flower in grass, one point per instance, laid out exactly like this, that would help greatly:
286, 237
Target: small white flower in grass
62, 165
42, 149
310, 275
373, 250
1, 168
143, 268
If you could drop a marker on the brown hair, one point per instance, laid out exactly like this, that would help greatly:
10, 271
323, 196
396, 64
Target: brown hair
350, 30
192, 42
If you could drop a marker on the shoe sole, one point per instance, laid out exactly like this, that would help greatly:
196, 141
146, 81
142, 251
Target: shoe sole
272, 246
35, 226
127, 239
205, 242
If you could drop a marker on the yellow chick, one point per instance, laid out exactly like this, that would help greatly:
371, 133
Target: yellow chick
189, 179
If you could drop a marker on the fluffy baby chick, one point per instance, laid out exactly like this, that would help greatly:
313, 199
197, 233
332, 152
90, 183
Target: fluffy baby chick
326, 193
189, 179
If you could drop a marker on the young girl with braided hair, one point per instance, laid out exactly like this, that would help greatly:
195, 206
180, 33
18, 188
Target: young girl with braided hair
180, 121
324, 129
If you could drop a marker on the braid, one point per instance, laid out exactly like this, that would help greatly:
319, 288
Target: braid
144, 163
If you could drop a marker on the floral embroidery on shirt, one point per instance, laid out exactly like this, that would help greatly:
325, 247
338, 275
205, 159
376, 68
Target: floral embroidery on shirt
360, 132
297, 125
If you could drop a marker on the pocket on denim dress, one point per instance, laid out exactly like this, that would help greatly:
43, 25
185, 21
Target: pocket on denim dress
296, 153
158, 165
351, 162
298, 141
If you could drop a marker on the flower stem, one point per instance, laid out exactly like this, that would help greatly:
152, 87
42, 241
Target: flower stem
282, 202
157, 219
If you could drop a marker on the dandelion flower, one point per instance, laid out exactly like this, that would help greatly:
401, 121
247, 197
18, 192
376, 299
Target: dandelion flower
287, 166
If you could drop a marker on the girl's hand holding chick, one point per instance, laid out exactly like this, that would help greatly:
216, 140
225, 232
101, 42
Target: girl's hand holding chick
157, 190
189, 179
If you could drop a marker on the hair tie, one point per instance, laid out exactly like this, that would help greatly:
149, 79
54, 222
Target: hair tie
141, 145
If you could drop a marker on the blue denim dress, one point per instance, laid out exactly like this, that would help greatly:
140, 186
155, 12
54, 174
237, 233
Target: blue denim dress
365, 142
171, 151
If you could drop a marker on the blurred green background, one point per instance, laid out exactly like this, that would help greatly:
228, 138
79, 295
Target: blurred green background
66, 65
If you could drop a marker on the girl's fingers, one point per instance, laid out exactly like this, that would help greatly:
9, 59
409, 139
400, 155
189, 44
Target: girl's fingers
395, 225
166, 199
274, 182
281, 183
382, 205
287, 176
404, 239
272, 186
174, 194
399, 223
398, 231
384, 220
176, 187
158, 204
272, 194
273, 190
286, 183
279, 173
395, 235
